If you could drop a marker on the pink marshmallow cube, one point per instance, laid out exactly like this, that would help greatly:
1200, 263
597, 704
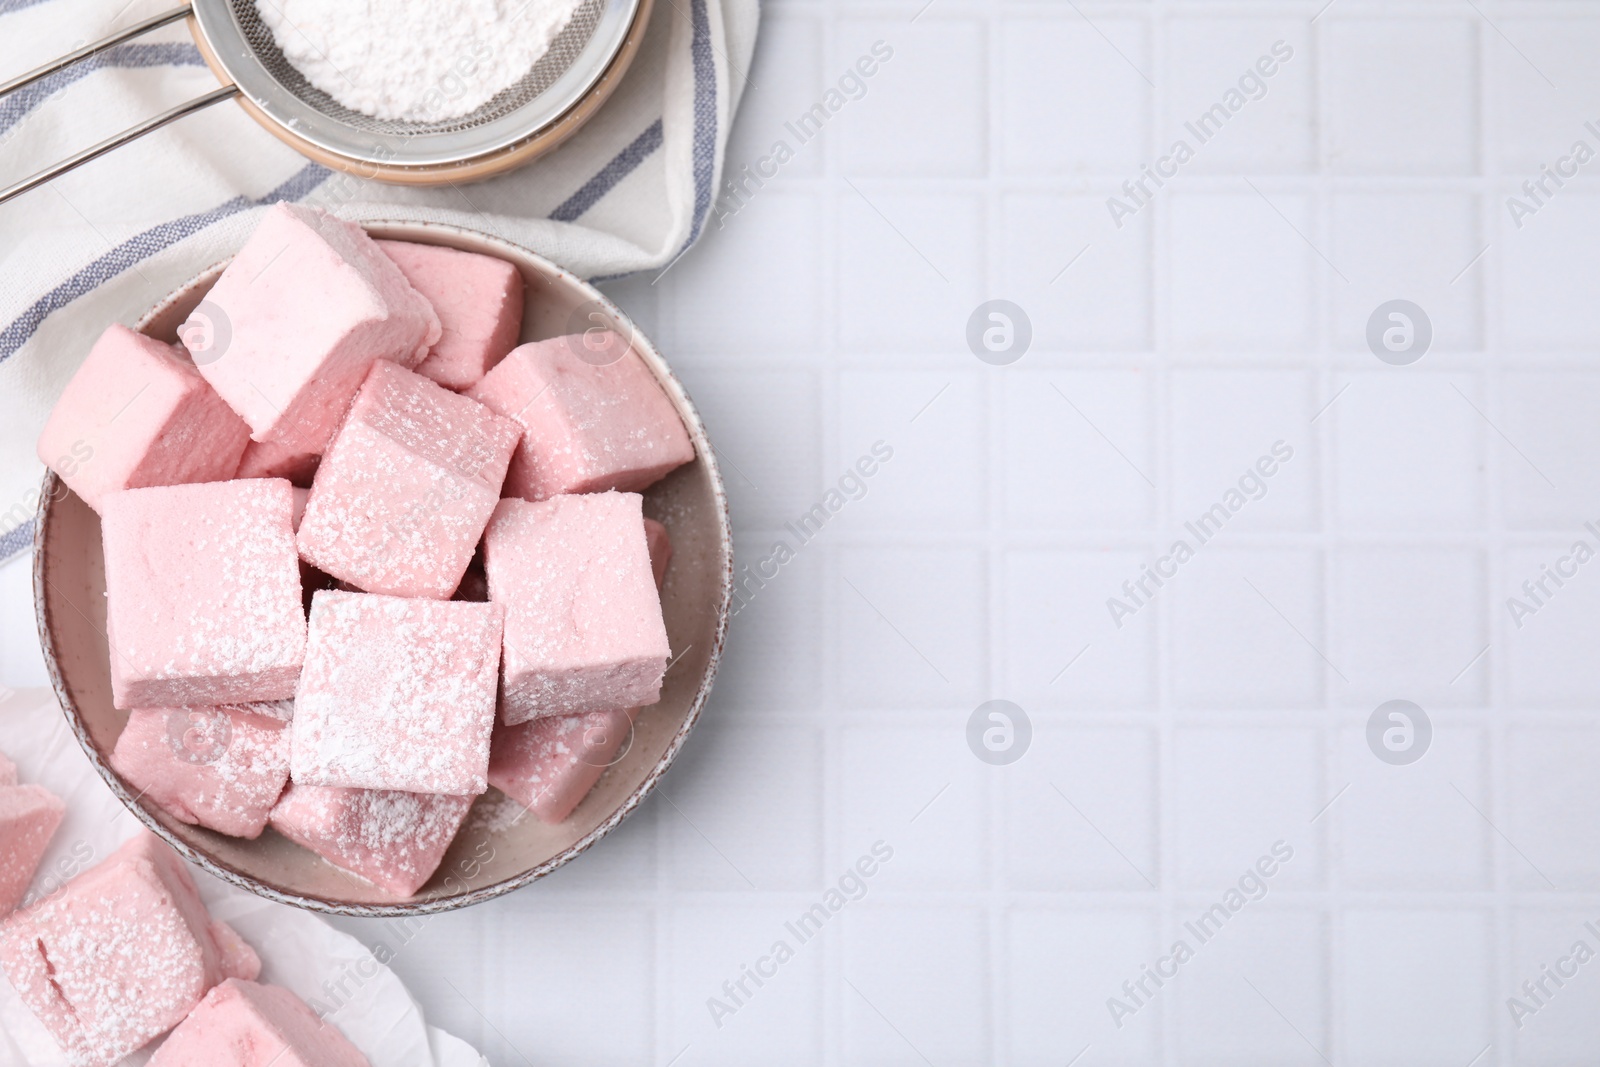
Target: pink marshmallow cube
549, 764
203, 594
222, 768
245, 1024
393, 839
479, 302
137, 413
120, 954
406, 488
264, 459
593, 417
397, 694
29, 816
292, 325
655, 536
583, 628
8, 770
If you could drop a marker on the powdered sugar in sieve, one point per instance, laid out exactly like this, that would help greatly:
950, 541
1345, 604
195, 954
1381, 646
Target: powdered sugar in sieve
414, 60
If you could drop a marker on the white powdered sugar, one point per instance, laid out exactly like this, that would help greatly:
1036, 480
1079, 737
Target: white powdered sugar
414, 60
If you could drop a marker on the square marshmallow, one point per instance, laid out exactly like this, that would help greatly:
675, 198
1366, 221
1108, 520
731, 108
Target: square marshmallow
222, 768
294, 322
29, 817
593, 417
393, 839
397, 694
403, 494
120, 954
203, 594
245, 1024
137, 413
549, 764
479, 302
584, 629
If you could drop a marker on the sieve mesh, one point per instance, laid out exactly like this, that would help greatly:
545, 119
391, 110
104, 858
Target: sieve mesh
563, 52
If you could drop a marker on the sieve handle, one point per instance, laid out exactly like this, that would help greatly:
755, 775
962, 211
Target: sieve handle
199, 103
138, 29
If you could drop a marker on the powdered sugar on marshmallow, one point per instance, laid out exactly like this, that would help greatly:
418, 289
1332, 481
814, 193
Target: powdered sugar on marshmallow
404, 492
549, 764
397, 694
392, 839
222, 768
121, 954
29, 817
583, 628
587, 426
244, 1024
203, 594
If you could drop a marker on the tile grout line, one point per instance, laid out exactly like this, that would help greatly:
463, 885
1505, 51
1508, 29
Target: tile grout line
996, 796
831, 1003
1326, 436
1493, 775
1160, 444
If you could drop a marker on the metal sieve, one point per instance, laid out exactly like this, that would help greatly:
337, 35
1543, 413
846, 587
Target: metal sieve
564, 87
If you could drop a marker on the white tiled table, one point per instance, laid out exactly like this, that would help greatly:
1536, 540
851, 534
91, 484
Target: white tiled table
1228, 714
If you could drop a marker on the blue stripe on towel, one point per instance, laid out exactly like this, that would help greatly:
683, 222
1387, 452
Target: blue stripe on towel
8, 6
625, 163
16, 541
15, 107
705, 116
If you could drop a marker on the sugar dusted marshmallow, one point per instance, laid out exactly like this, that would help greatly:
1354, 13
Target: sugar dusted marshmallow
137, 413
121, 954
479, 302
404, 491
246, 1024
222, 768
397, 694
292, 325
203, 594
583, 630
549, 764
593, 417
395, 840
29, 817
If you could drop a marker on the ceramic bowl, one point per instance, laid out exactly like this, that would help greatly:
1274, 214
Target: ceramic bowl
496, 851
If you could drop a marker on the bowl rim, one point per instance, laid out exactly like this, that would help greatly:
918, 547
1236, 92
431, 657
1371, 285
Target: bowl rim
53, 490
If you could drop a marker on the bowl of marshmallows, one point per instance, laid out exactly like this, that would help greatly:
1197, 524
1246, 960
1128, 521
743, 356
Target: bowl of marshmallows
381, 569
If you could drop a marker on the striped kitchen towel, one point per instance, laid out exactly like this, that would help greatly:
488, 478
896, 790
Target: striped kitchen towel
630, 192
